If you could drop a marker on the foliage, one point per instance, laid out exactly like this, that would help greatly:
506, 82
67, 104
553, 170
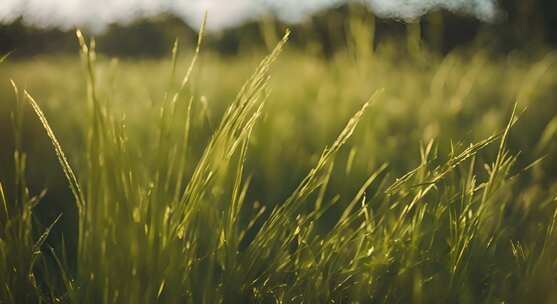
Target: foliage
172, 208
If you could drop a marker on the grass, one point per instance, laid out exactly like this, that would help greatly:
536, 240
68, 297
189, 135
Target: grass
173, 204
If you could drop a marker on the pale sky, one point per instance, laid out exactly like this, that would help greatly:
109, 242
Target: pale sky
98, 14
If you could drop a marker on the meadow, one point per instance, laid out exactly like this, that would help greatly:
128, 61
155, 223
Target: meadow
371, 175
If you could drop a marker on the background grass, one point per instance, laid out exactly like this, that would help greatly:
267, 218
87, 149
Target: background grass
373, 176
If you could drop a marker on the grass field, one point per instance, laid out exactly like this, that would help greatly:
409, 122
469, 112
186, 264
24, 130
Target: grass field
288, 177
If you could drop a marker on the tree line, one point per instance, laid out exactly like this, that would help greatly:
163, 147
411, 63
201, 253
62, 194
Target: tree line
524, 24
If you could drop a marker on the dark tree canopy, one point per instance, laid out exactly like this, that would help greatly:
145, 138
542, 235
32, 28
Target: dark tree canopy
525, 23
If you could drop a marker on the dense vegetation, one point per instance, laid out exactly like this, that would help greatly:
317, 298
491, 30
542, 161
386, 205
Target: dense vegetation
522, 24
373, 175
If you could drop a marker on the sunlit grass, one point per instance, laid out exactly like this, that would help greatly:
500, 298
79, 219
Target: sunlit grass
291, 189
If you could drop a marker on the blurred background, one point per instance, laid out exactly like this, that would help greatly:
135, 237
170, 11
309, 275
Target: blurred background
449, 76
521, 24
